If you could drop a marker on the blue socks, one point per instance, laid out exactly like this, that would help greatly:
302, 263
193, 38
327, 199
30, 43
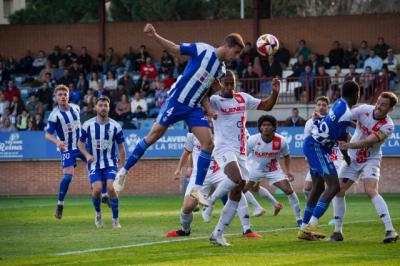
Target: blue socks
114, 207
321, 208
104, 187
137, 153
202, 167
308, 212
96, 203
64, 184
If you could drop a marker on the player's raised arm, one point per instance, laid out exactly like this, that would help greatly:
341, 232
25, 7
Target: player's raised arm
168, 45
268, 103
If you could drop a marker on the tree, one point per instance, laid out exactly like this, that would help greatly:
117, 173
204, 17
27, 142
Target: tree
56, 11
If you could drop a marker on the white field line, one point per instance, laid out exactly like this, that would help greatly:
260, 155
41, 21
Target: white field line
189, 238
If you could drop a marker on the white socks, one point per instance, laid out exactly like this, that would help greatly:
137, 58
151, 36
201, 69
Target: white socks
60, 202
227, 214
186, 220
294, 202
252, 200
243, 212
339, 209
224, 188
263, 192
383, 212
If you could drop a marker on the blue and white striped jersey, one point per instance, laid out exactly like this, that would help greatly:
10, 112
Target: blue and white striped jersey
202, 69
101, 142
334, 125
66, 125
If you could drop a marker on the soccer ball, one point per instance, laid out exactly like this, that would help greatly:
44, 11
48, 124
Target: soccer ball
267, 44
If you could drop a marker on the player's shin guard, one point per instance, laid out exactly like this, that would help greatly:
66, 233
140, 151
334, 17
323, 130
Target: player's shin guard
227, 214
186, 220
137, 153
114, 207
294, 202
383, 212
308, 211
96, 204
64, 184
319, 210
339, 209
202, 167
243, 212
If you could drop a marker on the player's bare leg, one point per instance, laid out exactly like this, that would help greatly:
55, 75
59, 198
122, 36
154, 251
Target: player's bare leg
285, 186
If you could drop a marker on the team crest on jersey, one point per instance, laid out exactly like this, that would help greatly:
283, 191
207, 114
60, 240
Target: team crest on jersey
238, 98
69, 127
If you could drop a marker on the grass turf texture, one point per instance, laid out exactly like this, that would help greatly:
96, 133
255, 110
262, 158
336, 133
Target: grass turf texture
30, 235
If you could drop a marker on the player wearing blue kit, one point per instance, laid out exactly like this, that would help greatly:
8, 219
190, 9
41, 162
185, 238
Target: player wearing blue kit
187, 97
64, 121
326, 132
99, 139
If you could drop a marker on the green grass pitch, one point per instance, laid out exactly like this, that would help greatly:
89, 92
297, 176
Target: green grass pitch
29, 235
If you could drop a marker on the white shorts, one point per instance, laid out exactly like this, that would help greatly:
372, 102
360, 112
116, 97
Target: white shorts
211, 182
272, 177
370, 169
338, 164
223, 157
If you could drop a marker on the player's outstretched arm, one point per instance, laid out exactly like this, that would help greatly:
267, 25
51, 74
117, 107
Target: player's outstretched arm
269, 103
168, 45
366, 143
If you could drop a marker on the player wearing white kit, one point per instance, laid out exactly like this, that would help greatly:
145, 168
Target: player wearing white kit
230, 145
264, 151
214, 177
373, 127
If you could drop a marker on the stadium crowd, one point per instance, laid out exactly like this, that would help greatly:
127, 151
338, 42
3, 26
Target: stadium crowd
138, 86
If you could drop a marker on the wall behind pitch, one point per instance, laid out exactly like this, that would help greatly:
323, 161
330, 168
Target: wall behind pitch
148, 177
319, 32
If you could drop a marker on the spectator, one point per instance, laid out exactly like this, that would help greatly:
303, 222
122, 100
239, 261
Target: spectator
66, 78
374, 62
89, 100
295, 120
381, 48
26, 63
94, 81
5, 75
51, 83
386, 78
7, 113
363, 52
40, 122
168, 81
283, 55
350, 55
307, 84
391, 61
34, 106
247, 56
11, 91
138, 101
141, 58
82, 85
250, 86
336, 84
12, 65
16, 106
336, 54
257, 68
38, 63
59, 71
99, 65
32, 124
352, 75
6, 125
139, 113
86, 114
74, 94
74, 71
22, 120
4, 103
47, 69
85, 60
127, 82
148, 69
117, 94
101, 91
145, 87
129, 59
367, 82
112, 59
273, 68
299, 67
315, 62
160, 94
322, 82
45, 96
167, 63
69, 56
55, 56
123, 109
302, 50
249, 73
179, 67
110, 83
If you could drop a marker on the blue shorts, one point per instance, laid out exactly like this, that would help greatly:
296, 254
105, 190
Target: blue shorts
103, 174
173, 111
318, 158
68, 158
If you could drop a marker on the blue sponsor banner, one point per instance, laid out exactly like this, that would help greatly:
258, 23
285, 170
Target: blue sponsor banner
33, 146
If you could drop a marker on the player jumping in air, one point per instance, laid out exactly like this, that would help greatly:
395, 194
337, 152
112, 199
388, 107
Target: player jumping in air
186, 98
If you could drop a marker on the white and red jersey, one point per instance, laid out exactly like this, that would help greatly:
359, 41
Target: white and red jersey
335, 154
192, 145
367, 125
263, 156
230, 125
